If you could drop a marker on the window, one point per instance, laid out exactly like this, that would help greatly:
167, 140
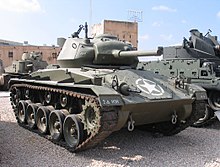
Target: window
10, 54
54, 55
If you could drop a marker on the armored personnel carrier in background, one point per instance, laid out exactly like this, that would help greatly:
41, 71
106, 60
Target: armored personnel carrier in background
30, 62
197, 59
1, 67
98, 90
2, 70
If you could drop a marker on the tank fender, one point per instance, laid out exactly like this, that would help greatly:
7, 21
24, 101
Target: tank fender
197, 91
109, 97
215, 85
111, 100
116, 101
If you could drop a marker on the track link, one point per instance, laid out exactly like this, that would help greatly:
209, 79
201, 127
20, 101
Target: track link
109, 117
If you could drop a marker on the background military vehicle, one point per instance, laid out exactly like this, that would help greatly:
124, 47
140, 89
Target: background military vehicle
2, 70
197, 59
97, 90
1, 67
30, 62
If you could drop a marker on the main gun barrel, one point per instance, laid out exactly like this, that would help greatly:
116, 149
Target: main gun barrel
118, 53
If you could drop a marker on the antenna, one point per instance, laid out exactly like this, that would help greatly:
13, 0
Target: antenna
90, 16
135, 16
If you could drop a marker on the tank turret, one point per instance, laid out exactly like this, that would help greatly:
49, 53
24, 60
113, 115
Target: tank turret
197, 46
102, 50
32, 56
29, 62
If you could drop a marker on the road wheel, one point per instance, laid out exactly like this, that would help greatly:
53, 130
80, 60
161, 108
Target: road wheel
73, 130
42, 120
31, 114
56, 120
21, 112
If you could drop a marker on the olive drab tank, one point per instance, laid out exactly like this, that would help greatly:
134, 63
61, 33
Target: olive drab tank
197, 59
97, 90
30, 62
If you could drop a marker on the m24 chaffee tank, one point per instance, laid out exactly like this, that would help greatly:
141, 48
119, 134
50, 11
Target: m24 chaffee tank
30, 62
197, 59
97, 90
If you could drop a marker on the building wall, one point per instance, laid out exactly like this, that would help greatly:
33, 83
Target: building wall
97, 29
127, 31
11, 53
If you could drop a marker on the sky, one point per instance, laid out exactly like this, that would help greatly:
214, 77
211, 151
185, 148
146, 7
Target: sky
164, 22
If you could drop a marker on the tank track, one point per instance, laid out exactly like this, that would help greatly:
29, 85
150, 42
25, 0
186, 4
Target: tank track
205, 123
109, 118
169, 129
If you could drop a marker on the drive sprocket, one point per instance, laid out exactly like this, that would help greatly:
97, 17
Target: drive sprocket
91, 117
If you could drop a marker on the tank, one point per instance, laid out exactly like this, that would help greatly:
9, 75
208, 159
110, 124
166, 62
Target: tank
197, 59
30, 62
98, 90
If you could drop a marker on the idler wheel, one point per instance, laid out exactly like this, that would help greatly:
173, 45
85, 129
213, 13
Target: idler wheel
42, 118
56, 120
73, 130
15, 97
21, 112
208, 114
214, 100
31, 114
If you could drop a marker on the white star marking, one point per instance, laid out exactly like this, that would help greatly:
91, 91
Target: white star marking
149, 87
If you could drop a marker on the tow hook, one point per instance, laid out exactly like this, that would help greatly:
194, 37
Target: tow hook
174, 118
130, 123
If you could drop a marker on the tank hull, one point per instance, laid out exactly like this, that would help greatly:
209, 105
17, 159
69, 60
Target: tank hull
98, 91
151, 100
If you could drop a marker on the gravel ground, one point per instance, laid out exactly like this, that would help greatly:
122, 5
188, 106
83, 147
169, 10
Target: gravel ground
199, 147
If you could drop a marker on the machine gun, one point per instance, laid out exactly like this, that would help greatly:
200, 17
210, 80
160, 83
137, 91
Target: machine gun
76, 34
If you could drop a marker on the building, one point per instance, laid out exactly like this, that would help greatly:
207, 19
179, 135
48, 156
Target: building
6, 42
10, 51
126, 31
